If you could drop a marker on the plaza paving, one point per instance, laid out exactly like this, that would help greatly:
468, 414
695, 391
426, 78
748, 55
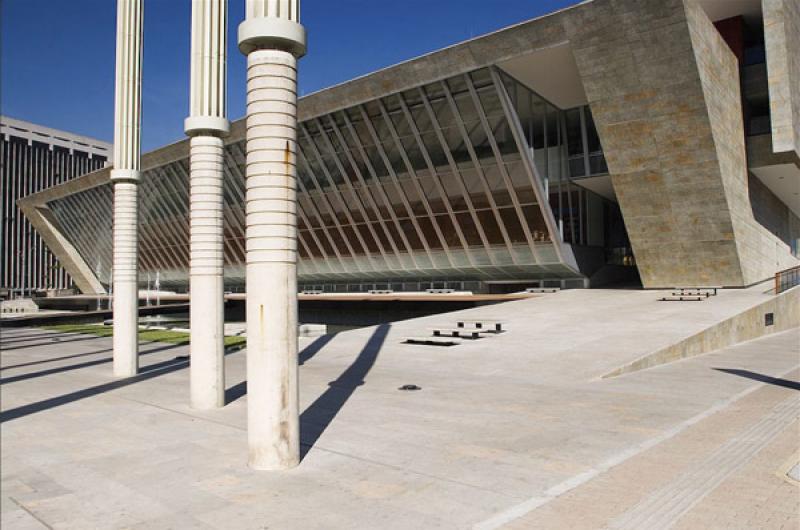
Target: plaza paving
515, 430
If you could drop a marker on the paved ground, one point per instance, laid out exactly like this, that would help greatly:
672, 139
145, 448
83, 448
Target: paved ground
514, 430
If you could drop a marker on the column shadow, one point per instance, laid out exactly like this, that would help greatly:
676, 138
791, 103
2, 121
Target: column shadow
56, 340
319, 415
312, 349
147, 372
55, 359
68, 368
786, 383
240, 389
10, 338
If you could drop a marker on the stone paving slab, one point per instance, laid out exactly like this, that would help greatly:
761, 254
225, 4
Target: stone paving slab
495, 425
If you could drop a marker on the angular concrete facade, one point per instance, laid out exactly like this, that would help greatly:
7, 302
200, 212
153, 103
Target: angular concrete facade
565, 148
782, 38
664, 90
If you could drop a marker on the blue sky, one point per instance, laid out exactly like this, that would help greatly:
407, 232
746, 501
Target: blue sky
57, 56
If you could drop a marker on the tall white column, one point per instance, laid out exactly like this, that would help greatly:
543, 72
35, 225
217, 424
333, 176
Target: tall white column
125, 176
207, 125
273, 40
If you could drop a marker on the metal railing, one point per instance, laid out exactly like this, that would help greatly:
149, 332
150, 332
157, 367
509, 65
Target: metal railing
786, 279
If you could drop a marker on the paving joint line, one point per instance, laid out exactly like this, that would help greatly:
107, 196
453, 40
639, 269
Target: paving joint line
520, 510
29, 512
331, 451
678, 496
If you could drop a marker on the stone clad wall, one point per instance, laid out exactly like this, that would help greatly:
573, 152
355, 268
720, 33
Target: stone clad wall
664, 92
782, 39
761, 252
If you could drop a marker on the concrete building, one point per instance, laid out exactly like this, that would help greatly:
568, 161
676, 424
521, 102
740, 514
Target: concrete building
656, 136
35, 158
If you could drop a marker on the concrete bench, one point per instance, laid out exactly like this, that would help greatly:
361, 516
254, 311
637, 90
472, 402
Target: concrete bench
463, 333
682, 298
433, 341
490, 326
710, 290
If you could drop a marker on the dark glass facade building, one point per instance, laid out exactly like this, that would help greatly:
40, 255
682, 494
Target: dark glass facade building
34, 158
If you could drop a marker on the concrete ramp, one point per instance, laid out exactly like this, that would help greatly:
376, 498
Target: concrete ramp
595, 333
778, 313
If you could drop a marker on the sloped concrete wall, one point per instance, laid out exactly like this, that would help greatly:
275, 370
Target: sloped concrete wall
747, 325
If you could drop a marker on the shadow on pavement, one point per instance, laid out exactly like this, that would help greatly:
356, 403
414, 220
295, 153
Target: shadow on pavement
87, 364
240, 389
786, 383
319, 415
55, 359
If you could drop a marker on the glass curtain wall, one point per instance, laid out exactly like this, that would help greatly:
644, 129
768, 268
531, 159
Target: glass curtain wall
565, 148
436, 183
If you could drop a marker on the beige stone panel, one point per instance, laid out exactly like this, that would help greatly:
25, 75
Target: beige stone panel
782, 40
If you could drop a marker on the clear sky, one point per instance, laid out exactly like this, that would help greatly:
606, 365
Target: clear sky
57, 56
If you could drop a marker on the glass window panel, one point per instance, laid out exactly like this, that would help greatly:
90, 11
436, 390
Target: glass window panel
512, 224
352, 204
452, 188
490, 101
574, 135
431, 193
411, 234
535, 220
379, 231
414, 200
338, 240
376, 161
395, 235
592, 139
467, 224
554, 133
369, 240
481, 78
490, 227
428, 232
521, 182
448, 231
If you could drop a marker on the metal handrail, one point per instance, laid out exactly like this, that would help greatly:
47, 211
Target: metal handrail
786, 279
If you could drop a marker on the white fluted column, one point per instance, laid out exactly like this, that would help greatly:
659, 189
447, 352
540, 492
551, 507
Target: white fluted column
207, 125
125, 176
273, 39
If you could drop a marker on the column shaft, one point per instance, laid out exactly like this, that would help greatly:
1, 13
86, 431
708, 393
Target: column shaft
272, 412
125, 175
125, 340
207, 124
207, 305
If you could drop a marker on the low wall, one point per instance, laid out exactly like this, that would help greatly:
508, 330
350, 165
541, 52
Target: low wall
745, 326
